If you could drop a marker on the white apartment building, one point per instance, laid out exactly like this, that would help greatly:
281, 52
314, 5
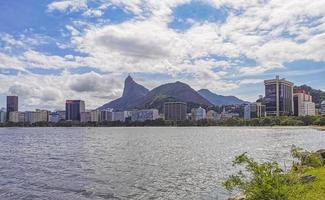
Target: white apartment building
303, 104
198, 114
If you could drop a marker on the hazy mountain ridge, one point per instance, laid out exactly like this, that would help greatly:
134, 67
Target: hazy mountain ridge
219, 100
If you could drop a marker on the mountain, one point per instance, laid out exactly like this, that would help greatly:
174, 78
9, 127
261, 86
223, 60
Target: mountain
318, 95
136, 96
218, 100
177, 91
132, 92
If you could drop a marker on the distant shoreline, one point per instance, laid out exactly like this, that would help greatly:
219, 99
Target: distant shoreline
320, 128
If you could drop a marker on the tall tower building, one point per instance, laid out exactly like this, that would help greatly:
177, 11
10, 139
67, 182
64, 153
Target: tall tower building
278, 97
12, 105
73, 109
175, 111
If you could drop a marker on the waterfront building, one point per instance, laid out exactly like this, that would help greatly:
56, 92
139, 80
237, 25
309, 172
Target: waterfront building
85, 117
175, 111
225, 115
278, 97
322, 108
189, 116
62, 115
36, 116
3, 117
73, 109
213, 115
303, 104
16, 117
198, 113
254, 110
94, 115
121, 116
12, 105
144, 115
106, 115
54, 117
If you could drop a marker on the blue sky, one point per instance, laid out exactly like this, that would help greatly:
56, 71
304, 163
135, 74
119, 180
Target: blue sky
83, 49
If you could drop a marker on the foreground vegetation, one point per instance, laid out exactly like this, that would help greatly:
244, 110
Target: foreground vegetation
268, 181
266, 121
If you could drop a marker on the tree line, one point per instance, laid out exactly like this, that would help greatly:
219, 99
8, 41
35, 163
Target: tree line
265, 121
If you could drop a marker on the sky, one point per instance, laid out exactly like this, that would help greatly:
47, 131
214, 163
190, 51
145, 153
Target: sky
51, 51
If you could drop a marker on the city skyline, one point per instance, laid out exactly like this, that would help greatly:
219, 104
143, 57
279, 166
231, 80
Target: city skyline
57, 50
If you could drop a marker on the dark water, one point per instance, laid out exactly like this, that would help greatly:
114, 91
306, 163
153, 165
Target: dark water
135, 163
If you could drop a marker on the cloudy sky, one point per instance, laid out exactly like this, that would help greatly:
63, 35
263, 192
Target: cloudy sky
83, 49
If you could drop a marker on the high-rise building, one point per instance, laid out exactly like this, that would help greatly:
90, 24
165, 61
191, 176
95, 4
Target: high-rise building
12, 105
254, 110
36, 116
278, 97
94, 115
322, 108
73, 109
85, 116
175, 111
106, 115
121, 116
16, 117
303, 104
198, 114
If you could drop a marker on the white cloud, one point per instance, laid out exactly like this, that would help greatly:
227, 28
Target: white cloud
68, 5
269, 33
50, 92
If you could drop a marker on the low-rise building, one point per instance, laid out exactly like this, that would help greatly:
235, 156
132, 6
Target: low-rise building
144, 115
254, 110
198, 113
228, 115
54, 117
213, 115
322, 108
62, 115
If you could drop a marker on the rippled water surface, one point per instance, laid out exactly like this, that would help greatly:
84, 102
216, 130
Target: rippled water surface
135, 163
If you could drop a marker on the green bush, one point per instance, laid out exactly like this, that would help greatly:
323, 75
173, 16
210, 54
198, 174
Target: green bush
267, 181
306, 158
263, 181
